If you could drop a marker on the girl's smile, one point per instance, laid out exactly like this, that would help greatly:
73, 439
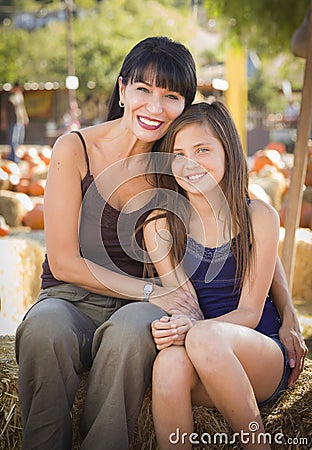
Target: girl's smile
195, 178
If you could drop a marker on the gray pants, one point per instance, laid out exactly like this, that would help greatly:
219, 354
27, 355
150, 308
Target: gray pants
68, 331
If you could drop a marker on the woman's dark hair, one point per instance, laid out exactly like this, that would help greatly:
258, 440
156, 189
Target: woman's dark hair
169, 61
234, 183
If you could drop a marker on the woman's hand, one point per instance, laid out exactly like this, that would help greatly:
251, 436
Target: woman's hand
169, 331
177, 301
290, 335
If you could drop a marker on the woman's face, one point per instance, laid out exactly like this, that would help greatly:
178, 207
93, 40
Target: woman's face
199, 161
149, 110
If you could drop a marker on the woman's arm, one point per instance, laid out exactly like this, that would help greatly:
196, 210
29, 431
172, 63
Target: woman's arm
289, 333
62, 208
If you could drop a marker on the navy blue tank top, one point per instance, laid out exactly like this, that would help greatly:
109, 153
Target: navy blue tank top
106, 236
212, 272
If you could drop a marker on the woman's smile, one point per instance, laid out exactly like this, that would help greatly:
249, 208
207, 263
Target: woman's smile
148, 123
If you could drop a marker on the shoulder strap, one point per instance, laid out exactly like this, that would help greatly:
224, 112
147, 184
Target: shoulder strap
84, 146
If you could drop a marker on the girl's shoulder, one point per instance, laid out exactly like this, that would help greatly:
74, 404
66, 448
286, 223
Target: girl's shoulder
158, 218
261, 213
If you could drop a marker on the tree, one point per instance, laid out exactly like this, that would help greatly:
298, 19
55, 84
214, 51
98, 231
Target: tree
102, 35
266, 25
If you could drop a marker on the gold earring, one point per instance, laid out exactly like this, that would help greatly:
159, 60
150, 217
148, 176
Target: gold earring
121, 104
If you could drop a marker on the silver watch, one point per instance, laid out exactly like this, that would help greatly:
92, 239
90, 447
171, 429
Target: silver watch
147, 290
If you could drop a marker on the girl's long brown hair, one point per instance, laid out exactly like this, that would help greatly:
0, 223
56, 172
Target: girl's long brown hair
234, 184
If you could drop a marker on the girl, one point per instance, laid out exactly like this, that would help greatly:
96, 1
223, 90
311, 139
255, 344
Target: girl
233, 359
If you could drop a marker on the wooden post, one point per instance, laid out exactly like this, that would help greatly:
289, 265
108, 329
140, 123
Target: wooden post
300, 166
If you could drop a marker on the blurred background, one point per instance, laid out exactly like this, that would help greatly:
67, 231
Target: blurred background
242, 50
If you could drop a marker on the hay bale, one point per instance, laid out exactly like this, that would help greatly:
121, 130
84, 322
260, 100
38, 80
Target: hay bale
20, 269
273, 182
302, 284
10, 423
12, 208
289, 415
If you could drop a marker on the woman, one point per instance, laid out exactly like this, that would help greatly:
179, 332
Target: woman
233, 358
90, 314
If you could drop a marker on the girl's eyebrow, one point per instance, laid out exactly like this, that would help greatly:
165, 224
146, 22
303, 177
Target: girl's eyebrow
200, 144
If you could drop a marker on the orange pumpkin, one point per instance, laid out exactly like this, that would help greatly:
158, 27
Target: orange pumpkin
35, 218
45, 155
264, 158
36, 188
278, 146
22, 185
10, 167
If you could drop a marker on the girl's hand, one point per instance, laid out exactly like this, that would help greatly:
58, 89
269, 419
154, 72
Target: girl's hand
183, 324
169, 331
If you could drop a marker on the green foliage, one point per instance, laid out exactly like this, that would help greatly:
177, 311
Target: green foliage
101, 38
116, 27
266, 26
260, 89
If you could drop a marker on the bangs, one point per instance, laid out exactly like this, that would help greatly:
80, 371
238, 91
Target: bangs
164, 72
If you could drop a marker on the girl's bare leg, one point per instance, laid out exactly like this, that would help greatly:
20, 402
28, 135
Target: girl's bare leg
173, 378
237, 367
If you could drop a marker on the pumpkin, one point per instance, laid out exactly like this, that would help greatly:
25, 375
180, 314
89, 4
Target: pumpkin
278, 146
36, 188
33, 160
35, 218
23, 185
10, 167
264, 158
45, 155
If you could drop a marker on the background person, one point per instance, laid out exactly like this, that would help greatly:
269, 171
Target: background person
14, 119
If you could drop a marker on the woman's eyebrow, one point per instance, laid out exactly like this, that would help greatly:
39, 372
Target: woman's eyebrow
145, 82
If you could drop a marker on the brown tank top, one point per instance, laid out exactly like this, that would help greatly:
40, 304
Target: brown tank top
106, 236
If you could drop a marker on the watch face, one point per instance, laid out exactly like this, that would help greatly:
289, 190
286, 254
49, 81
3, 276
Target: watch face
148, 288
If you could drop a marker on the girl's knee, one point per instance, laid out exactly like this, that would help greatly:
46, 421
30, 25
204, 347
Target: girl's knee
205, 340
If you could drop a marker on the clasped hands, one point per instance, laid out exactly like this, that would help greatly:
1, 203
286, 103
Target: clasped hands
172, 330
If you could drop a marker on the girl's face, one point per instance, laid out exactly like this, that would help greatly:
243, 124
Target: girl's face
199, 160
149, 110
